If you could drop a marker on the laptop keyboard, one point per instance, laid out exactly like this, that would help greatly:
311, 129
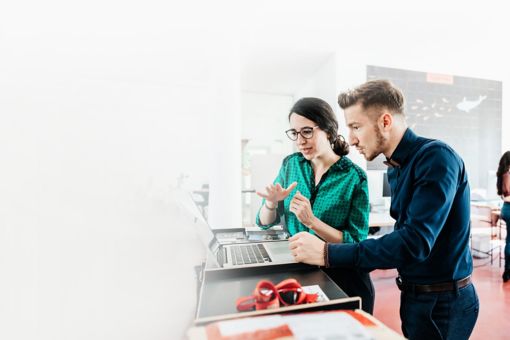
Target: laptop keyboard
249, 254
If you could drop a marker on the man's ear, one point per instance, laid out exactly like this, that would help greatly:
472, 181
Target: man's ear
386, 120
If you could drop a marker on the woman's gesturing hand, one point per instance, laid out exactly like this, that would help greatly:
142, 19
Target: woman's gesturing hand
275, 193
301, 207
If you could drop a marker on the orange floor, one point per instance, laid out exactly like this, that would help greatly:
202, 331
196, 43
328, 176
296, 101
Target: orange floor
494, 318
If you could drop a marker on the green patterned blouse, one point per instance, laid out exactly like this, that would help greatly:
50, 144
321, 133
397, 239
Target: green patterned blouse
340, 199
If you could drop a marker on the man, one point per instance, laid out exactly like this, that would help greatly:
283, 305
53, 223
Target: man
430, 203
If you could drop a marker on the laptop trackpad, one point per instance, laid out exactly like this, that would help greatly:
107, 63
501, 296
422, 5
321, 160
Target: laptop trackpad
279, 251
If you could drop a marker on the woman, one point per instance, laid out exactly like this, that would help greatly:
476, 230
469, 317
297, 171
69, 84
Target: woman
503, 186
321, 191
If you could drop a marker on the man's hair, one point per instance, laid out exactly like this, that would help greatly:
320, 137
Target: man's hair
374, 94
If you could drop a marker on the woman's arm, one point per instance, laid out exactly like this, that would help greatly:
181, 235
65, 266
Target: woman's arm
357, 221
268, 212
326, 232
301, 207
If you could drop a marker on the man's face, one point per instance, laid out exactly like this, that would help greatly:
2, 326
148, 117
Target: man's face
364, 133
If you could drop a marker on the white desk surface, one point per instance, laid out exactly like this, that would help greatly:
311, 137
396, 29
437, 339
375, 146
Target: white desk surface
380, 219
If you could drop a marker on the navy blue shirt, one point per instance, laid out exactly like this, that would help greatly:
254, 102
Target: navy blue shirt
430, 203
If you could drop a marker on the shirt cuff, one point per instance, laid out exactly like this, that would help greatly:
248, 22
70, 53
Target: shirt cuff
266, 226
342, 254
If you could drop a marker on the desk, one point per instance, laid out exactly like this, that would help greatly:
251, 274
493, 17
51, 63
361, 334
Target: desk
320, 325
222, 287
486, 238
380, 219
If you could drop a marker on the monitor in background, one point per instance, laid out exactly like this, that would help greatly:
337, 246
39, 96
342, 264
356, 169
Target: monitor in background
386, 191
378, 190
374, 186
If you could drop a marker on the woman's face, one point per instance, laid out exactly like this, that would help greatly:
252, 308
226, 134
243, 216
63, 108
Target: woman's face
312, 147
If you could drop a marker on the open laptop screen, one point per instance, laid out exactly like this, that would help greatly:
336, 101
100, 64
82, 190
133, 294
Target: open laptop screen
205, 233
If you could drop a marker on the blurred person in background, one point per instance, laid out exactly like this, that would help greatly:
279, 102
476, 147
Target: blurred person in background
503, 186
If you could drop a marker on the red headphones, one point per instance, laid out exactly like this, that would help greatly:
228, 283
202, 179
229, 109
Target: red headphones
266, 295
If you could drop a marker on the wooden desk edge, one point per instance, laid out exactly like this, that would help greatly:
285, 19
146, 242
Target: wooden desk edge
205, 320
380, 331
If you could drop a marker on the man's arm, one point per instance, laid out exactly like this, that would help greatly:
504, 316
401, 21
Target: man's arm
437, 177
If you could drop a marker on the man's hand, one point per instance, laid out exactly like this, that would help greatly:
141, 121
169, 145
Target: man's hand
307, 248
301, 207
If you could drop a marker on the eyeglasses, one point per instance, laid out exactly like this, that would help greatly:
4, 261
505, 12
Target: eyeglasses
306, 133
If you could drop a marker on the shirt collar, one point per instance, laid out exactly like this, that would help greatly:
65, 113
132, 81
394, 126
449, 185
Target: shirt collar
403, 150
340, 165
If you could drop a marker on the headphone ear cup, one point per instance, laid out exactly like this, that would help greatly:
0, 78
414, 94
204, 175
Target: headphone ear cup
289, 297
266, 295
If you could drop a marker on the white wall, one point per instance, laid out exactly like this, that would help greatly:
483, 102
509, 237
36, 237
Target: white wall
100, 111
265, 116
350, 72
224, 137
264, 122
321, 83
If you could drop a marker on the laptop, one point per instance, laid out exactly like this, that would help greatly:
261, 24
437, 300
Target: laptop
253, 254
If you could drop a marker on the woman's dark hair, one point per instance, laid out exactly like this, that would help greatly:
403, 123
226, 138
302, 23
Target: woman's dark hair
322, 114
504, 165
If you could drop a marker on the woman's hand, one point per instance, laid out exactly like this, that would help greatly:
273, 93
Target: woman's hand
301, 207
275, 193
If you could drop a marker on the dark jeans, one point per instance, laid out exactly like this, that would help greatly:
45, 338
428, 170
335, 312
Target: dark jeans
355, 283
505, 215
444, 315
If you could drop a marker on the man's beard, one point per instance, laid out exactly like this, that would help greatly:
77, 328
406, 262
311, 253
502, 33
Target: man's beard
380, 141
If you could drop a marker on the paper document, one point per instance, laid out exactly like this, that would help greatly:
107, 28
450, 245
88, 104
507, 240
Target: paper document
326, 326
316, 289
306, 326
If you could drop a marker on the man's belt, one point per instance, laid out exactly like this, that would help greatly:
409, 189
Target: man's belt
432, 288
